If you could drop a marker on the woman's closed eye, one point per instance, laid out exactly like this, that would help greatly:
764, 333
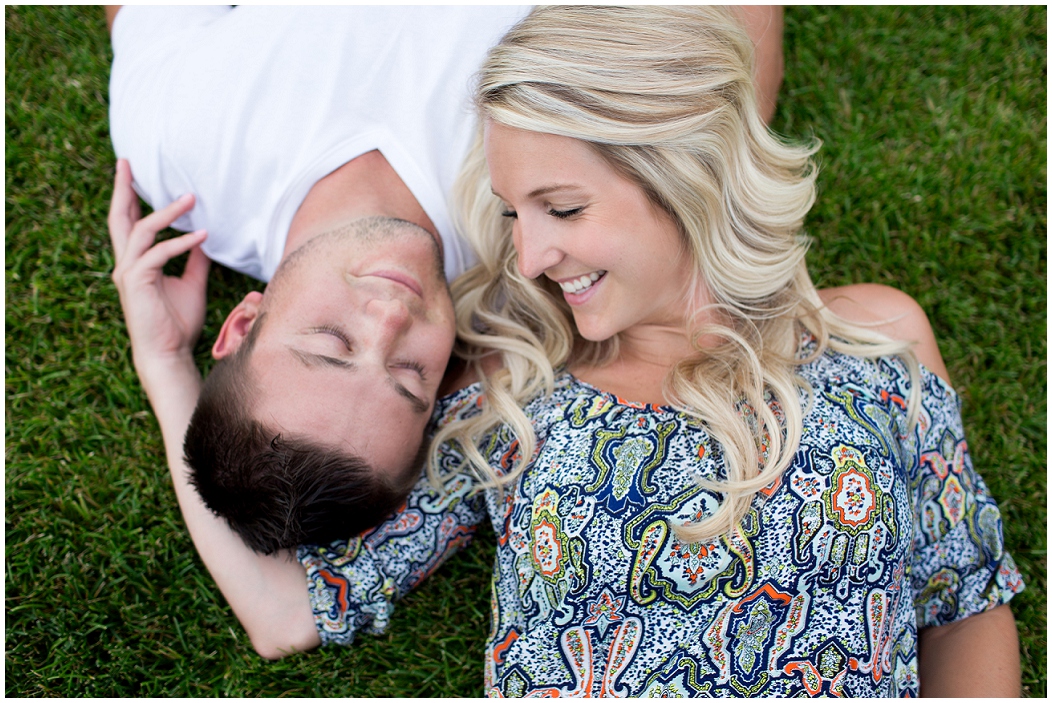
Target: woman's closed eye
561, 214
565, 214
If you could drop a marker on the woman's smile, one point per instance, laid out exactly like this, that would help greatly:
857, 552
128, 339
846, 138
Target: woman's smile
575, 288
619, 259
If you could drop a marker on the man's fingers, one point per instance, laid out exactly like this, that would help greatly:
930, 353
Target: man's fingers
120, 218
162, 218
130, 235
145, 230
159, 255
197, 266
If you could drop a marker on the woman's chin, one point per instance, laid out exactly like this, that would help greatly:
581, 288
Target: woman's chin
593, 332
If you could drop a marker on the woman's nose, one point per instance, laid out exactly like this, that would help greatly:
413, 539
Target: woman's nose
537, 250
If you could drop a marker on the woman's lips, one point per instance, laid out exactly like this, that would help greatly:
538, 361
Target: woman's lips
582, 295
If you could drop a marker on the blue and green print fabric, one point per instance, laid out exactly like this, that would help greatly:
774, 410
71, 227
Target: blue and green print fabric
875, 530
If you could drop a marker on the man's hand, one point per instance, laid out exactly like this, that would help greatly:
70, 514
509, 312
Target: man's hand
164, 314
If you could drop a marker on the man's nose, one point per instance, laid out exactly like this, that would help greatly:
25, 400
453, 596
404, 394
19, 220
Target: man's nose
391, 317
536, 247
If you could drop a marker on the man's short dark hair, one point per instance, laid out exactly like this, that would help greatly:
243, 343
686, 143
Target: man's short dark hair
278, 491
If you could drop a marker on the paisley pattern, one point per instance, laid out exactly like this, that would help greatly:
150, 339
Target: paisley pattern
873, 532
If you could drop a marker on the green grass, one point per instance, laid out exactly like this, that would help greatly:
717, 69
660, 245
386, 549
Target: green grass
933, 180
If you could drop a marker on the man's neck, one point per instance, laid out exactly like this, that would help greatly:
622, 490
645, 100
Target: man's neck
366, 186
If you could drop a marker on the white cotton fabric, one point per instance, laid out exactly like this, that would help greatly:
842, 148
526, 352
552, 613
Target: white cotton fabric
248, 107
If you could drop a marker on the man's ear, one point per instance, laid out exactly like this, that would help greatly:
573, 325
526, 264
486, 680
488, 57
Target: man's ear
237, 325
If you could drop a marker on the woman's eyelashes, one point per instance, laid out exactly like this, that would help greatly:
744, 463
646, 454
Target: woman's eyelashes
561, 214
565, 214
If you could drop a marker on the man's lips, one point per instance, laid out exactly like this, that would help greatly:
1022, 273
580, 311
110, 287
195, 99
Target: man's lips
402, 278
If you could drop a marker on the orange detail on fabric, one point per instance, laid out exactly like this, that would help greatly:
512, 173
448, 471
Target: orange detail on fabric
502, 648
771, 593
341, 587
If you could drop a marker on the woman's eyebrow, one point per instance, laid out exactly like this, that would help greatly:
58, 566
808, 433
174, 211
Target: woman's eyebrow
543, 190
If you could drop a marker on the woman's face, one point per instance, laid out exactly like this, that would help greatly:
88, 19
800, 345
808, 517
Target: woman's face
619, 259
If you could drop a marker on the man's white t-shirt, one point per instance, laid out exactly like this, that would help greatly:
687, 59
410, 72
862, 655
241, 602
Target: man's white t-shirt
247, 108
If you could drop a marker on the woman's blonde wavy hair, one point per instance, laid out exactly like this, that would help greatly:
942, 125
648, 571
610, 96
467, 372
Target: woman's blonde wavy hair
665, 95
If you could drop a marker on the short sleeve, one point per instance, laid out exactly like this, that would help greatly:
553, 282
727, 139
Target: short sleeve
138, 29
353, 584
959, 567
148, 45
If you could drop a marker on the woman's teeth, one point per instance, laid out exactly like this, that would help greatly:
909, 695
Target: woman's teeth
583, 283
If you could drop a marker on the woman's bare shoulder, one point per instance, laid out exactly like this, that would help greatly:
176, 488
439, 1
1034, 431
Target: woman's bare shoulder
892, 312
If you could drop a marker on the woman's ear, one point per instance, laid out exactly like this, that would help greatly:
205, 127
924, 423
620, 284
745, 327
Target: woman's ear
237, 325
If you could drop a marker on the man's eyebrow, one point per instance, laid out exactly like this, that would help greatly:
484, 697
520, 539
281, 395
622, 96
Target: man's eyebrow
420, 405
309, 359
